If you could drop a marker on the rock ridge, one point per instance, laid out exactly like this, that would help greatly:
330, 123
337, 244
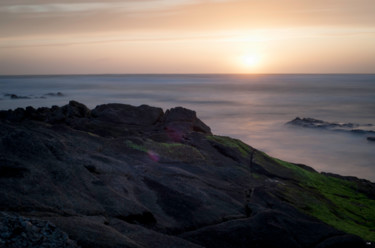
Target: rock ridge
125, 176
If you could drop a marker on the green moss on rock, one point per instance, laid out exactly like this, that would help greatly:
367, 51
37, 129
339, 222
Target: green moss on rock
332, 200
175, 151
134, 146
231, 143
168, 151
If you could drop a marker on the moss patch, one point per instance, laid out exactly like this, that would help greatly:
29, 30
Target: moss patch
134, 146
176, 152
236, 144
332, 200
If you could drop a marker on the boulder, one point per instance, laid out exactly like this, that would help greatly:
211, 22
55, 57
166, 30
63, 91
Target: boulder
143, 115
68, 112
179, 121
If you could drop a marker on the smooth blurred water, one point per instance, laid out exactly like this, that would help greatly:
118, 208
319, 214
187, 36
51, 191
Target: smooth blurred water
253, 108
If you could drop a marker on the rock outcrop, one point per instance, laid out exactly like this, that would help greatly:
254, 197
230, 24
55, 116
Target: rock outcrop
332, 126
125, 176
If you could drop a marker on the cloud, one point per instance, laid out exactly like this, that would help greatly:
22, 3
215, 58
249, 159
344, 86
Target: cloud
248, 36
23, 18
61, 29
48, 8
41, 16
87, 6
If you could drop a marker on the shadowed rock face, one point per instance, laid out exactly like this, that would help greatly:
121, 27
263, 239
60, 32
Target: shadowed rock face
125, 176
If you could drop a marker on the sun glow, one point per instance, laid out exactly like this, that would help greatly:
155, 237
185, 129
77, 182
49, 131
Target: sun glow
250, 61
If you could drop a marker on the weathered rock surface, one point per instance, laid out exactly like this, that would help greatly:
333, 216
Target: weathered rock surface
17, 232
125, 176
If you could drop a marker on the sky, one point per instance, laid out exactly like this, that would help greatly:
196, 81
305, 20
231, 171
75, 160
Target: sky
186, 36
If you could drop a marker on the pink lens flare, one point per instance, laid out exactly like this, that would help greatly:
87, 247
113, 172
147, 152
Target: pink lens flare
153, 155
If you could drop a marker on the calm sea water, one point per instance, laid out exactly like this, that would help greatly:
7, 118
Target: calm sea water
253, 108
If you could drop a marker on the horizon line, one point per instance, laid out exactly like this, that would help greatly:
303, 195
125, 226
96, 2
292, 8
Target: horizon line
157, 74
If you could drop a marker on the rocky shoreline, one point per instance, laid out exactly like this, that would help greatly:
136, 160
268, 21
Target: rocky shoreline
125, 176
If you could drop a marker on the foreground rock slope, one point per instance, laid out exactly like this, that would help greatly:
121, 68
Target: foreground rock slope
125, 176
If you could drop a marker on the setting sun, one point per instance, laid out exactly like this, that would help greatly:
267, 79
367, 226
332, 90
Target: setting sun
250, 60
249, 63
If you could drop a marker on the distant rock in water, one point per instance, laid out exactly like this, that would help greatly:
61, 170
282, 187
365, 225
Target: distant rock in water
54, 94
14, 96
319, 124
371, 138
125, 176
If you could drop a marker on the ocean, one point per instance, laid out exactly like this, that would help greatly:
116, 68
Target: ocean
253, 108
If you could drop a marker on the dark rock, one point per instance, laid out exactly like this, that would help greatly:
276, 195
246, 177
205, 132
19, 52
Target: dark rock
176, 204
14, 96
100, 232
305, 122
180, 114
271, 221
12, 172
54, 94
126, 114
16, 115
314, 123
145, 218
76, 109
371, 138
30, 113
180, 121
343, 127
92, 169
125, 176
344, 241
17, 231
266, 227
68, 112
42, 113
